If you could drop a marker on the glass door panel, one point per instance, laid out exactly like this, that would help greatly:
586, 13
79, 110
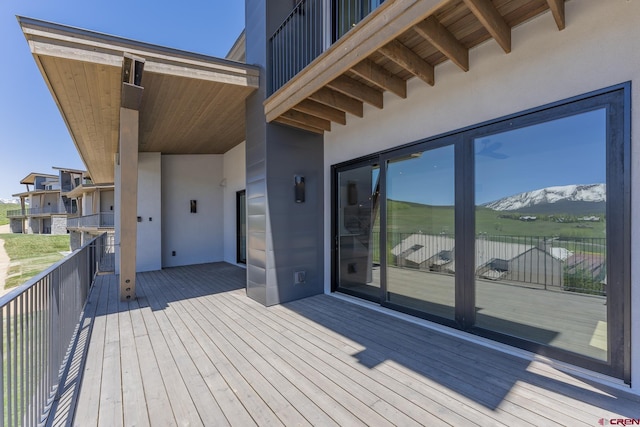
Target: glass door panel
359, 231
420, 232
541, 234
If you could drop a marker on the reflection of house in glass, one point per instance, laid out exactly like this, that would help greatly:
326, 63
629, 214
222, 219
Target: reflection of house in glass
586, 270
534, 261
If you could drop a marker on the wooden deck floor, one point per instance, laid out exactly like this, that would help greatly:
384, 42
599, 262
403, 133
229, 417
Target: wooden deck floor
194, 350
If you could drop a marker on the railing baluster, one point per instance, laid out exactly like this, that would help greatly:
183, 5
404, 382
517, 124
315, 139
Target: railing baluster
301, 37
15, 391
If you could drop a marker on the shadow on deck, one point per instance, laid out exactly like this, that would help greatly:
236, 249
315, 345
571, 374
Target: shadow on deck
193, 349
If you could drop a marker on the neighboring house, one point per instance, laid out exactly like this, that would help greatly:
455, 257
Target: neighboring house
95, 213
257, 162
46, 204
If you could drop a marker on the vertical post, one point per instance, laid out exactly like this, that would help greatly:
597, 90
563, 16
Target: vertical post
128, 201
130, 100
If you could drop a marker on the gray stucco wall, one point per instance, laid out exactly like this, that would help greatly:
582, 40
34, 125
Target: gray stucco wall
75, 240
58, 224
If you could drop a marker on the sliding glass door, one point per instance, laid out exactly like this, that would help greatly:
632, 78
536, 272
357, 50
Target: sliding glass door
420, 231
517, 230
541, 226
358, 230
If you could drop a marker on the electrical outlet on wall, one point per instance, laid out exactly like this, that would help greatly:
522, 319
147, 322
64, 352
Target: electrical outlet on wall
299, 277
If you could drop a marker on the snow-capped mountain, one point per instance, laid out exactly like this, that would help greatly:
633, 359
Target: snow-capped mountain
13, 200
589, 193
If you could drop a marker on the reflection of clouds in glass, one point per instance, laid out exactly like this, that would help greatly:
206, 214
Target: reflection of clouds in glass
566, 151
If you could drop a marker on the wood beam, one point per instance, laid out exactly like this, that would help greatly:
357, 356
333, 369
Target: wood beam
491, 19
128, 203
292, 123
323, 111
337, 100
357, 90
307, 119
409, 60
384, 24
442, 39
557, 9
380, 77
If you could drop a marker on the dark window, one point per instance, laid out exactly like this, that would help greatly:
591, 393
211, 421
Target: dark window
241, 227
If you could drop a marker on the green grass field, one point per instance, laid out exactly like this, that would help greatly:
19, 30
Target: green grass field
406, 217
30, 254
4, 207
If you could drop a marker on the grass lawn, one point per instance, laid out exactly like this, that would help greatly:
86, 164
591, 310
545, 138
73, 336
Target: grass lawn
30, 254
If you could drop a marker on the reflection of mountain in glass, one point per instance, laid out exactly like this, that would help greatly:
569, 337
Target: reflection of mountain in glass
568, 199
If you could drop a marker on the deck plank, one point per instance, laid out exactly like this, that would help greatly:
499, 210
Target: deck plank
88, 403
382, 379
184, 410
111, 408
352, 390
302, 393
193, 349
278, 406
480, 364
177, 338
133, 397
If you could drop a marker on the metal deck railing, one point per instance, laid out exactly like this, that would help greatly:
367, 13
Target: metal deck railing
37, 323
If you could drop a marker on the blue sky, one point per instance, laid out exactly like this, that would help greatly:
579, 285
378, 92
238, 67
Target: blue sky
33, 137
560, 152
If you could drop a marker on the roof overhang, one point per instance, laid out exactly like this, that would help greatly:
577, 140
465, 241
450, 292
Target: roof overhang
399, 40
83, 189
68, 170
31, 178
35, 193
192, 104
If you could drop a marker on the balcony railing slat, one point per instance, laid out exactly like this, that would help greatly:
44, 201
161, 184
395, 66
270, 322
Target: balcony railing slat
304, 34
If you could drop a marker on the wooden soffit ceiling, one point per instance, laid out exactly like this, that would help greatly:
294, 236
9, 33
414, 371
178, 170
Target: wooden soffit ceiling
401, 39
191, 104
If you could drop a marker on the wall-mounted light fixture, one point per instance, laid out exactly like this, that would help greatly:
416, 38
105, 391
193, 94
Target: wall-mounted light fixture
298, 187
194, 206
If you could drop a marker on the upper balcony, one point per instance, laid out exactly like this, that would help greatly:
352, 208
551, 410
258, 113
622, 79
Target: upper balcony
40, 211
329, 58
103, 220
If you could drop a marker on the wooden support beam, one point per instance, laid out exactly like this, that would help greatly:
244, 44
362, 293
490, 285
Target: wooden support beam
557, 9
128, 203
307, 119
384, 24
337, 100
369, 70
323, 111
357, 90
491, 19
442, 39
293, 123
409, 60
